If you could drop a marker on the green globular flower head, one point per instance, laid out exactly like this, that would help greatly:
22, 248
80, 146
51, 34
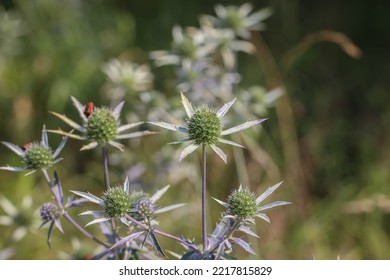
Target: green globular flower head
204, 127
49, 212
102, 126
38, 157
242, 204
117, 202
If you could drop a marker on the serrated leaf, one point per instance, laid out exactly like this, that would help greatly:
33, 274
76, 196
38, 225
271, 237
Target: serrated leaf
244, 245
247, 230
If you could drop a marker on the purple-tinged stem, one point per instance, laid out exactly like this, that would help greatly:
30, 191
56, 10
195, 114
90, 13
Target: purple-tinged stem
204, 212
105, 167
66, 215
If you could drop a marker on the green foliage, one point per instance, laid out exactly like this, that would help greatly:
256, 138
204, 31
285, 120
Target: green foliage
53, 49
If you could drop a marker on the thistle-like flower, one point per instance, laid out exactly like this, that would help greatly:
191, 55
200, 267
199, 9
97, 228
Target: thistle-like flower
50, 213
130, 75
100, 126
204, 127
243, 205
118, 201
239, 19
35, 156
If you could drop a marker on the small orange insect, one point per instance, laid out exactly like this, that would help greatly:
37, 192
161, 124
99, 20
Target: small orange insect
26, 146
89, 109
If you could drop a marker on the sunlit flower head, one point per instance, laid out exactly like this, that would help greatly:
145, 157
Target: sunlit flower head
100, 126
204, 127
242, 204
188, 44
36, 155
119, 201
130, 75
240, 19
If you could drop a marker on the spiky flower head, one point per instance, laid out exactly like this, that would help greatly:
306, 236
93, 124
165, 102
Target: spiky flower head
204, 127
117, 202
242, 204
143, 209
49, 212
38, 157
102, 126
240, 19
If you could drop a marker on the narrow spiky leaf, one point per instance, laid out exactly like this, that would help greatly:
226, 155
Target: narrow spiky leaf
244, 245
80, 108
219, 152
70, 122
170, 126
187, 106
273, 204
14, 148
158, 194
267, 193
225, 108
168, 208
127, 239
90, 197
241, 127
188, 150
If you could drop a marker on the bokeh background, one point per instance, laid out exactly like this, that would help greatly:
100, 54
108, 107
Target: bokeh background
327, 137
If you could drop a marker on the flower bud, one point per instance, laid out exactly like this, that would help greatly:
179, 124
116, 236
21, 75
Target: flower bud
38, 157
204, 127
116, 202
242, 204
49, 212
102, 125
143, 209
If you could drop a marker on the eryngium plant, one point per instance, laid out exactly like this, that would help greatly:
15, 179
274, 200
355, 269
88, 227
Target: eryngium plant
242, 207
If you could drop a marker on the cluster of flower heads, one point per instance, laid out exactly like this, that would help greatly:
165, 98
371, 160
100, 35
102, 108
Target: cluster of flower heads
120, 202
192, 50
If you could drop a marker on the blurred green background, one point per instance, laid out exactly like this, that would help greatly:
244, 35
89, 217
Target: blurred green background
327, 137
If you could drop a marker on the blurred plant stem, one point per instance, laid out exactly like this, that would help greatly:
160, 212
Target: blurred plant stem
284, 111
